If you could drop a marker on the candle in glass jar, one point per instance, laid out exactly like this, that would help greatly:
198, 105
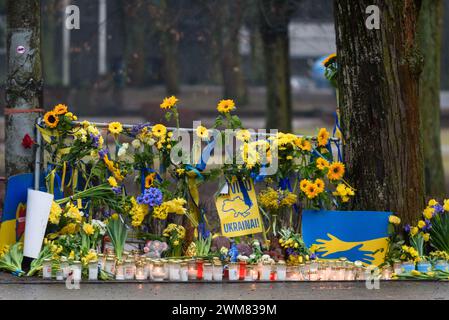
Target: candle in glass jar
281, 270
233, 270
293, 273
101, 261
76, 270
184, 272
148, 267
242, 270
397, 268
119, 271
313, 271
199, 269
109, 265
59, 274
249, 273
64, 265
93, 270
129, 269
175, 271
266, 271
46, 269
140, 270
191, 265
158, 271
217, 271
207, 272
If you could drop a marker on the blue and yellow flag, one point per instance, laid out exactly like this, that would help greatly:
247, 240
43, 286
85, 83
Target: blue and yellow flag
355, 235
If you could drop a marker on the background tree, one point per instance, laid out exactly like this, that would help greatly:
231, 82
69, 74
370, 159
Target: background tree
24, 82
430, 25
274, 20
49, 25
378, 84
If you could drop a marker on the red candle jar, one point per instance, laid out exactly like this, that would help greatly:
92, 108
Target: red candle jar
199, 269
242, 270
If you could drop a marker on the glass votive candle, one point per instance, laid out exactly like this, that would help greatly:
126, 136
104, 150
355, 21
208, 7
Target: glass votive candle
207, 271
46, 269
184, 271
313, 271
125, 255
386, 273
59, 273
305, 271
397, 269
350, 272
93, 270
148, 267
64, 266
242, 270
166, 269
408, 266
281, 270
199, 269
140, 270
266, 271
218, 271
158, 271
174, 271
119, 271
129, 269
441, 265
191, 266
109, 265
76, 270
249, 273
233, 269
293, 273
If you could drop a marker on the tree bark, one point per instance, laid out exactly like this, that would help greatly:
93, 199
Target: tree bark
274, 21
429, 37
378, 85
48, 42
24, 82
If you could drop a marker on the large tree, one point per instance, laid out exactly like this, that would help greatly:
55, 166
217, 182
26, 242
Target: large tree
24, 82
274, 20
430, 25
378, 84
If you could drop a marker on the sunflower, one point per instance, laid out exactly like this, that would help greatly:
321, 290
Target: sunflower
303, 184
115, 128
323, 137
303, 144
311, 191
336, 171
202, 132
243, 135
330, 59
149, 180
51, 119
225, 106
169, 102
319, 184
60, 109
159, 130
322, 163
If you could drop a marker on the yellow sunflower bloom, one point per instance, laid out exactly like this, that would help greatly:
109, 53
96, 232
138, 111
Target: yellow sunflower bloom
169, 102
60, 109
202, 132
115, 128
149, 180
159, 130
319, 183
51, 119
303, 144
323, 137
303, 184
331, 58
226, 106
336, 171
322, 163
243, 135
311, 191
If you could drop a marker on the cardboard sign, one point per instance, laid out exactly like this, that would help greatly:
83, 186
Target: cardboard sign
237, 218
355, 235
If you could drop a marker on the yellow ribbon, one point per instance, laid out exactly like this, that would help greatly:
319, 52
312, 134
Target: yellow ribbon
64, 169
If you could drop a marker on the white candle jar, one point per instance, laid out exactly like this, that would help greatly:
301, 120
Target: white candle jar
64, 265
46, 269
266, 271
281, 271
207, 272
158, 271
174, 271
217, 271
184, 272
93, 270
76, 270
119, 271
129, 269
109, 265
233, 270
191, 265
140, 270
148, 267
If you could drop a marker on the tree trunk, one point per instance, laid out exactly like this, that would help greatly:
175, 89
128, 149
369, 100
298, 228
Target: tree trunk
48, 43
230, 21
24, 82
378, 84
274, 21
429, 37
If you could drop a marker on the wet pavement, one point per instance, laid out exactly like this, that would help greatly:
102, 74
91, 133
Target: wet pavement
32, 289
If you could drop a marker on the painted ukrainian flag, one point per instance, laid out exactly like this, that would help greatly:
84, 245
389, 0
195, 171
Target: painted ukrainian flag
12, 225
355, 235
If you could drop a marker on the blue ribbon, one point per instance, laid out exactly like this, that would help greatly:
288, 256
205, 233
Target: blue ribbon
337, 143
284, 184
17, 273
205, 155
194, 169
245, 194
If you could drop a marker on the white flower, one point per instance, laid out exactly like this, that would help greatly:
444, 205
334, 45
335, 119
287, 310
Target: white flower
97, 224
224, 251
252, 256
265, 257
256, 243
136, 144
122, 151
242, 258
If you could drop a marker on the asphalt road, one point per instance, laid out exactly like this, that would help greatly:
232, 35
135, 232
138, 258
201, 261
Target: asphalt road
226, 291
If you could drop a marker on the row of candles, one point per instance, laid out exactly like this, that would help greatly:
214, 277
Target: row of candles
135, 267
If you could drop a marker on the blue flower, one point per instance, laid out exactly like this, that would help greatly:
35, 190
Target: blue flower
313, 256
102, 153
233, 253
202, 231
152, 197
428, 226
117, 190
438, 208
407, 228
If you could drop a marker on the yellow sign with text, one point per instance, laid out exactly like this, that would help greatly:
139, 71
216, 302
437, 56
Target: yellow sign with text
237, 217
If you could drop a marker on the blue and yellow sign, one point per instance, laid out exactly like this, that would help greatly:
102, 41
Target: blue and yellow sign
355, 235
238, 210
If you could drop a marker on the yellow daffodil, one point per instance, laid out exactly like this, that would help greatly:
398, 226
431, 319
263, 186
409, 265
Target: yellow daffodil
446, 205
394, 220
432, 203
112, 182
426, 237
414, 231
88, 229
55, 213
421, 224
428, 213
